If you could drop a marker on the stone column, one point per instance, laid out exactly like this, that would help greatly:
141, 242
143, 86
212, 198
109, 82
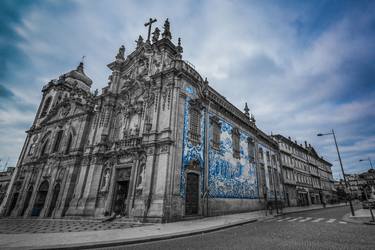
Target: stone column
61, 203
79, 187
110, 193
92, 186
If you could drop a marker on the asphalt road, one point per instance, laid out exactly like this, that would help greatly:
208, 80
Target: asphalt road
319, 229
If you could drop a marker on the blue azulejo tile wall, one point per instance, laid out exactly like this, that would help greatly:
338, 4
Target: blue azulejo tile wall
229, 177
192, 152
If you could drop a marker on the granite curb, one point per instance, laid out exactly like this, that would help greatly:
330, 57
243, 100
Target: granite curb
114, 243
309, 209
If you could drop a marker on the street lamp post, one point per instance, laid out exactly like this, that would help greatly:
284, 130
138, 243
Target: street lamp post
342, 168
369, 160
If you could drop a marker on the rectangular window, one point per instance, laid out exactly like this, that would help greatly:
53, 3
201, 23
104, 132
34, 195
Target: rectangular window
194, 125
270, 176
268, 156
236, 143
216, 132
57, 141
260, 154
251, 147
273, 157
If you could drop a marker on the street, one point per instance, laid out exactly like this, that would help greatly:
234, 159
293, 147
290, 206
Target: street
318, 229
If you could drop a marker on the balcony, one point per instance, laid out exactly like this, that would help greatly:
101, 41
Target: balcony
186, 67
129, 143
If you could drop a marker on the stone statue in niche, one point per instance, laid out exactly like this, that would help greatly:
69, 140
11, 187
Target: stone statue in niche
105, 180
141, 176
142, 67
61, 174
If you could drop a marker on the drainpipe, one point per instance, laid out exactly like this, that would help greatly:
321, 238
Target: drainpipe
274, 189
206, 165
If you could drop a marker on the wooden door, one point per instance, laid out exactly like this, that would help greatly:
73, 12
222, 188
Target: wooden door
122, 188
40, 199
192, 194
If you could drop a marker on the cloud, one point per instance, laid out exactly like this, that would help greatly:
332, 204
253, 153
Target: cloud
302, 67
5, 93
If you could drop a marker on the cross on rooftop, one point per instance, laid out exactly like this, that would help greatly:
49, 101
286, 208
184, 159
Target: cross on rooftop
150, 22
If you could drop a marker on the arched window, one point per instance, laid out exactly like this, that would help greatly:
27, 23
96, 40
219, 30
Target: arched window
44, 148
47, 103
69, 144
57, 141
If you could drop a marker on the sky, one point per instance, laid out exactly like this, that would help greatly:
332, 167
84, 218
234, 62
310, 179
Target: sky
303, 67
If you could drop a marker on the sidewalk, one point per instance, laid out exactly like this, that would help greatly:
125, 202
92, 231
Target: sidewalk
361, 216
114, 237
125, 236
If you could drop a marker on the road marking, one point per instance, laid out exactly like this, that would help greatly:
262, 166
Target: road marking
284, 219
270, 220
342, 222
317, 220
304, 220
298, 218
330, 220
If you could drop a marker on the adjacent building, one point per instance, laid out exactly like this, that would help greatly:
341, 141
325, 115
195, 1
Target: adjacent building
157, 144
5, 177
368, 182
355, 185
307, 177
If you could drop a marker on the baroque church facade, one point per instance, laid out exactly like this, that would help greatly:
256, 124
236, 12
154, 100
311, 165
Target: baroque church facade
158, 144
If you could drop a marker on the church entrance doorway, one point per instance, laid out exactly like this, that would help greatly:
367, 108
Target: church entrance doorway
40, 198
55, 194
192, 194
121, 194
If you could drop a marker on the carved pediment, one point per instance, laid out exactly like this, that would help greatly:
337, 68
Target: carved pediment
63, 110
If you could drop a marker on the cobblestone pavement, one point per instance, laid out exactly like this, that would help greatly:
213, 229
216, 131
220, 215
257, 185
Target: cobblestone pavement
18, 226
319, 229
